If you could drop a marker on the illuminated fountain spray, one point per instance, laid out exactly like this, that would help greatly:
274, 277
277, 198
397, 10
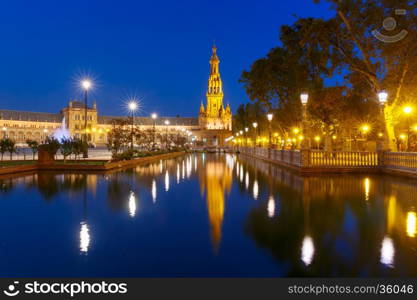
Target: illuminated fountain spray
62, 132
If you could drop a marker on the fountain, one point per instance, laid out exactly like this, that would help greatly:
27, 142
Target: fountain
62, 132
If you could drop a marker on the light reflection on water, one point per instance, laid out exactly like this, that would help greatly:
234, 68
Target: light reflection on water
158, 220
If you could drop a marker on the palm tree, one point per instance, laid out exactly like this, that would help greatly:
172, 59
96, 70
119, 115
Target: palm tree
11, 147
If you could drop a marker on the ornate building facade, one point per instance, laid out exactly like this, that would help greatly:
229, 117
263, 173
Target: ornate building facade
215, 120
22, 125
213, 125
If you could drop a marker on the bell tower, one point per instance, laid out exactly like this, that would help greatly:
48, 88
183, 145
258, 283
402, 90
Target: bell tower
214, 93
215, 116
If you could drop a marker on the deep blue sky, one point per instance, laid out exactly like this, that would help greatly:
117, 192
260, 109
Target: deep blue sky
158, 50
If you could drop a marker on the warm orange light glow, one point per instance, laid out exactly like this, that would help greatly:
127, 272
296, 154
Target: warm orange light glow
407, 110
411, 224
365, 128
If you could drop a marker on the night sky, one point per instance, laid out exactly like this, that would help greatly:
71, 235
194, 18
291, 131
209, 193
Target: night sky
155, 50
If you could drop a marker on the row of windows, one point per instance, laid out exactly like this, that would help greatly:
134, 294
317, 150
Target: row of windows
34, 126
82, 118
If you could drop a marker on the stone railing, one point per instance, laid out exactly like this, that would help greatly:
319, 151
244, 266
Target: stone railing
400, 160
291, 158
342, 159
313, 160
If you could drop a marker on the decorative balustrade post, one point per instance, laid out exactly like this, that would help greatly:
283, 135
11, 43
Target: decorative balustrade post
381, 158
305, 158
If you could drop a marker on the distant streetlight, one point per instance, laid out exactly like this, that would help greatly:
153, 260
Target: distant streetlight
407, 110
45, 132
270, 116
317, 139
365, 128
132, 107
304, 98
255, 125
154, 116
166, 141
86, 85
383, 97
304, 125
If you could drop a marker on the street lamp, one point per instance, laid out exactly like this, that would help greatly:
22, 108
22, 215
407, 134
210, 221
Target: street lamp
317, 139
383, 142
255, 125
304, 125
166, 142
269, 116
132, 107
154, 116
86, 86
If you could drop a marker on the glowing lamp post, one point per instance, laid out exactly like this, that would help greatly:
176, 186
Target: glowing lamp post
86, 86
382, 141
166, 141
255, 126
246, 136
304, 125
317, 139
270, 116
132, 107
154, 116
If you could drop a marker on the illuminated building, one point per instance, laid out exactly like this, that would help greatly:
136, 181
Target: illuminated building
212, 126
214, 120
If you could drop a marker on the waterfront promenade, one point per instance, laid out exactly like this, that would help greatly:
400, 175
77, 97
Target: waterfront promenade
313, 161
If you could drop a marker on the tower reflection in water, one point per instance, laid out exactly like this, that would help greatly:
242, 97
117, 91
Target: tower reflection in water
215, 182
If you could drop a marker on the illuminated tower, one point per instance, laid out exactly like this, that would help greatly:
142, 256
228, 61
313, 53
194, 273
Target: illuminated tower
215, 116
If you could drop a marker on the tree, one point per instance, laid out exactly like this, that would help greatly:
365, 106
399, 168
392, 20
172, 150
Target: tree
349, 41
67, 147
78, 147
118, 137
345, 48
3, 147
11, 147
34, 145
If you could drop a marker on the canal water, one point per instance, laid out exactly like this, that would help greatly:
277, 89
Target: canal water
215, 215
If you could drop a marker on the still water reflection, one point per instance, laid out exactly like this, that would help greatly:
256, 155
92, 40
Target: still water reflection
207, 215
